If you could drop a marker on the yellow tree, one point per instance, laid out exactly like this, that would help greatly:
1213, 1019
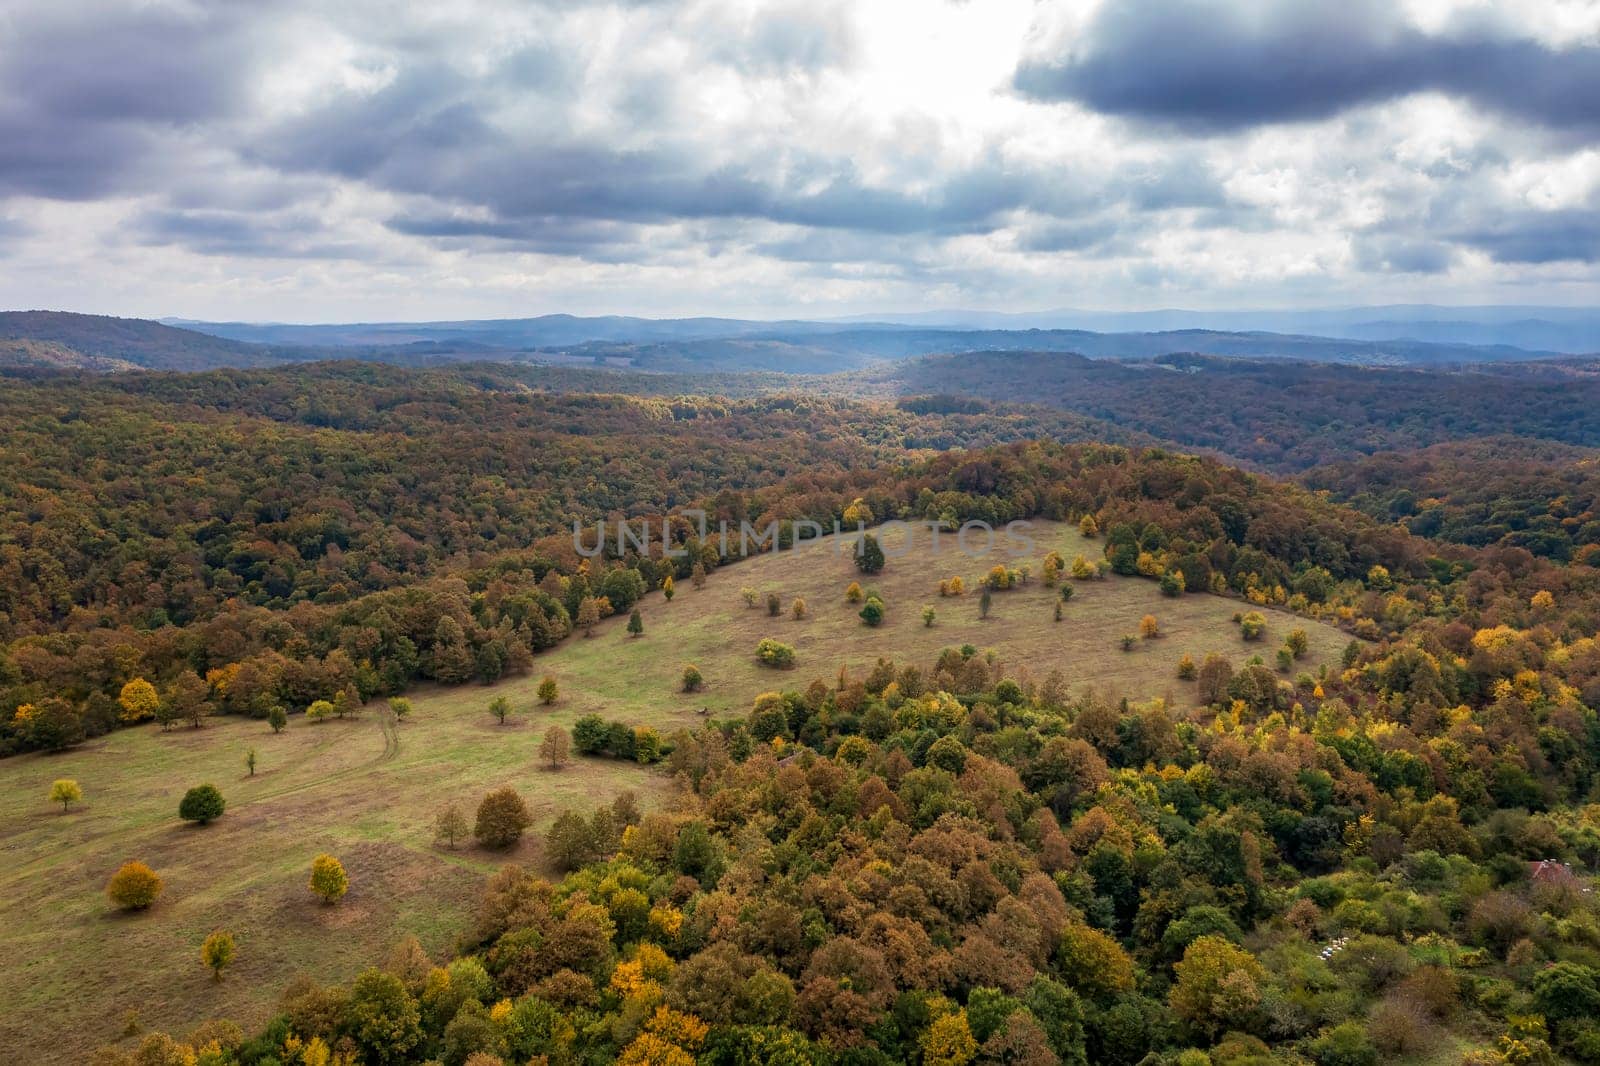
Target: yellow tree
949, 1041
217, 952
1216, 983
328, 879
139, 700
65, 792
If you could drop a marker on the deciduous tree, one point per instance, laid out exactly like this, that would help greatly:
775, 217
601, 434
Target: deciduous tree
556, 748
66, 792
328, 880
502, 816
134, 886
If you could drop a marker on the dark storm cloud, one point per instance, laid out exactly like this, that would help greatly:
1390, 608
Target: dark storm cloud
1537, 237
1217, 66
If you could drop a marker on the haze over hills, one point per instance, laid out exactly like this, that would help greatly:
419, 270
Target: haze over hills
679, 345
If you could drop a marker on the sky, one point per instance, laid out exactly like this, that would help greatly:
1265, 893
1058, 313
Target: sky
289, 160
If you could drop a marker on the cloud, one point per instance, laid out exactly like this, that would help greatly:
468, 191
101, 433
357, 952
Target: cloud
265, 159
1537, 237
1215, 66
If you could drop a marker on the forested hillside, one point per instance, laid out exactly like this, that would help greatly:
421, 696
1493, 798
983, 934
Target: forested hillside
1279, 416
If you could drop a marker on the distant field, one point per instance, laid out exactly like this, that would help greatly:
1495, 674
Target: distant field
367, 791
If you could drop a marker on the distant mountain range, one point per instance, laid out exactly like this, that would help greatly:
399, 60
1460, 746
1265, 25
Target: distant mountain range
64, 339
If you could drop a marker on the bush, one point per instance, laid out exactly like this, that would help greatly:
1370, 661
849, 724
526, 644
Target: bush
589, 734
1344, 1045
134, 887
692, 679
328, 879
872, 612
774, 605
502, 816
1252, 625
201, 804
217, 952
774, 653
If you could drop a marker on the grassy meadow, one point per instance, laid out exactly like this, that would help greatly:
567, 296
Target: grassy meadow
367, 790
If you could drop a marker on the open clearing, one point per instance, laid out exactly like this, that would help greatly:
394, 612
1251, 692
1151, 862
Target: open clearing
367, 791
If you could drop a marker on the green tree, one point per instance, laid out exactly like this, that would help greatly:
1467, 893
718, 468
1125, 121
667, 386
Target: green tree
570, 841
277, 717
500, 707
400, 707
547, 690
1172, 583
216, 954
636, 623
985, 602
328, 879
319, 711
589, 734
692, 679
202, 804
928, 616
872, 611
383, 1018
250, 761
66, 792
869, 554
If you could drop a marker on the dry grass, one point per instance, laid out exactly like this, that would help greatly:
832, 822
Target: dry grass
368, 792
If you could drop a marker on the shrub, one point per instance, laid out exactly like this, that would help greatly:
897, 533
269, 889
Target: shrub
1252, 625
1186, 668
774, 653
202, 804
319, 711
134, 887
589, 734
400, 707
1172, 583
547, 690
1344, 1045
328, 879
928, 615
502, 816
774, 605
872, 611
798, 608
692, 679
1149, 628
217, 952
852, 593
277, 717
